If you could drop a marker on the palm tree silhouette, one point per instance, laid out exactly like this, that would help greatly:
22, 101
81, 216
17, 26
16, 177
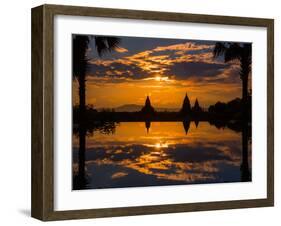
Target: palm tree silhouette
242, 53
80, 45
79, 59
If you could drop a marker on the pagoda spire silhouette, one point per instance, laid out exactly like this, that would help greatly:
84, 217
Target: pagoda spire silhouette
186, 108
196, 107
147, 109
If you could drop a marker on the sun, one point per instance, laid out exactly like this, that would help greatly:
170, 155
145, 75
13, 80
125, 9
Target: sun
160, 79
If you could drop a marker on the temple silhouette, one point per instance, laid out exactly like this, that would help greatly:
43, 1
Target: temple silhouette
147, 109
186, 107
217, 113
196, 107
185, 110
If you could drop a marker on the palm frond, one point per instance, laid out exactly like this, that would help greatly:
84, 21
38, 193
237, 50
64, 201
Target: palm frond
219, 49
233, 52
247, 51
106, 44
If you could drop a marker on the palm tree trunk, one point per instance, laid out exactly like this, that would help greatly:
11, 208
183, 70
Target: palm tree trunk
245, 172
82, 95
245, 93
245, 69
244, 73
82, 131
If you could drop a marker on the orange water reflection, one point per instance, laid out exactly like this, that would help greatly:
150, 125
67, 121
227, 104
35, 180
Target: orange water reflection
163, 154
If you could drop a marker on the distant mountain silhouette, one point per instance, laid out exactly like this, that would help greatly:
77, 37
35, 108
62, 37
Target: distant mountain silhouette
136, 107
128, 108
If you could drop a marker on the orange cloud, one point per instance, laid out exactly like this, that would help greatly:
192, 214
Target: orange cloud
188, 46
111, 80
121, 50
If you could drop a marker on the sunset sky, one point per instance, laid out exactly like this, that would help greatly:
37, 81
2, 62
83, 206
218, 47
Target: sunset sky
164, 69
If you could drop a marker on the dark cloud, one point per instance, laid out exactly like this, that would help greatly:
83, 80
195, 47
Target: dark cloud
133, 45
179, 62
183, 70
171, 53
128, 152
200, 51
116, 69
197, 154
101, 177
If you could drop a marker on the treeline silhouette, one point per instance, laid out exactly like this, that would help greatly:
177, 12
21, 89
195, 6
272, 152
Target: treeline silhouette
219, 112
232, 110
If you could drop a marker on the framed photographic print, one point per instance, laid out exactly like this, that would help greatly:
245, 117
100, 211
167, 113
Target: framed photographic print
140, 112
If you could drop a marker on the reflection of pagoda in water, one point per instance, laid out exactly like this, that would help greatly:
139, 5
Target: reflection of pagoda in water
196, 123
186, 108
148, 109
186, 125
147, 126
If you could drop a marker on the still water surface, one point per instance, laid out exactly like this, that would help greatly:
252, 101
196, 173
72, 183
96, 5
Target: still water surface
160, 153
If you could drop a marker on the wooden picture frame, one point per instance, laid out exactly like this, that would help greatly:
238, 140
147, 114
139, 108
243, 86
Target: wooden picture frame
43, 108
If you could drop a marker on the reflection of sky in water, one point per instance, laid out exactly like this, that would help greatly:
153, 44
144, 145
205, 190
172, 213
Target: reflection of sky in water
164, 156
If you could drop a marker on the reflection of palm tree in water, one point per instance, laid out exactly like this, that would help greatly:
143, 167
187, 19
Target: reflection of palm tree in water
244, 168
80, 181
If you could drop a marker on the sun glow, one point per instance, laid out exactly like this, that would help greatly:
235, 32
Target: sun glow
161, 145
158, 145
160, 79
